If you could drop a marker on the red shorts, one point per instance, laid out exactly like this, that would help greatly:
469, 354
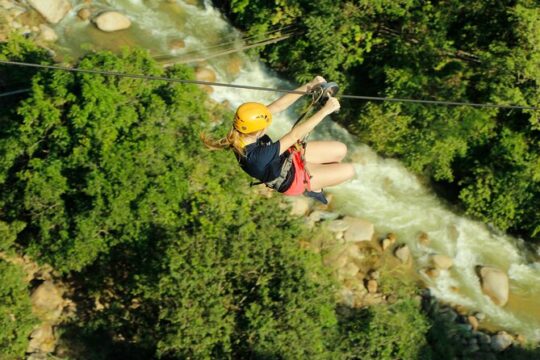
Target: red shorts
301, 177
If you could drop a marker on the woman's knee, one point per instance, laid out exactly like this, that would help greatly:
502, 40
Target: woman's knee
341, 150
338, 150
350, 171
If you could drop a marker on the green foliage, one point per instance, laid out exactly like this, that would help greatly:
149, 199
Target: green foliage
16, 318
119, 194
8, 234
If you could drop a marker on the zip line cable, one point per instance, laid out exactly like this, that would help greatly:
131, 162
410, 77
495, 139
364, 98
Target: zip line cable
249, 87
14, 92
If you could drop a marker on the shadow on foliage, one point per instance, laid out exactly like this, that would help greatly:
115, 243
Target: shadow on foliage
114, 324
449, 337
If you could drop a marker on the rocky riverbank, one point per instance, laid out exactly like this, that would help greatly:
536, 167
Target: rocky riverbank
50, 305
36, 18
359, 258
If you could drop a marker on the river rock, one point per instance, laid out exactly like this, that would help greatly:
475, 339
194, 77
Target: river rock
432, 272
177, 44
495, 284
521, 339
385, 244
6, 4
315, 216
359, 230
374, 274
423, 239
47, 34
328, 215
501, 341
349, 270
110, 21
42, 339
471, 349
234, 66
403, 253
347, 297
84, 14
337, 226
372, 286
483, 338
299, 206
52, 10
336, 262
480, 316
47, 301
371, 299
205, 74
441, 262
353, 252
473, 321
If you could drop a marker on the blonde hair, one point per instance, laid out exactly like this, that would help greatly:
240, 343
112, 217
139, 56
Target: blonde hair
234, 140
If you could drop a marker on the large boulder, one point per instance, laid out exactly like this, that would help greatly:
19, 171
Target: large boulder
47, 301
494, 284
359, 230
52, 10
110, 21
501, 341
42, 339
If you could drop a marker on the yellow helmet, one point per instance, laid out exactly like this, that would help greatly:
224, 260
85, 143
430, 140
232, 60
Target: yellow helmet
251, 117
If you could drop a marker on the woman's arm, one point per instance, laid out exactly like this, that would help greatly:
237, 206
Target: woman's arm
302, 129
287, 100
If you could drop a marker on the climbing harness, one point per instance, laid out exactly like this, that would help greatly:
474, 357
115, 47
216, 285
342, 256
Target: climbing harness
319, 95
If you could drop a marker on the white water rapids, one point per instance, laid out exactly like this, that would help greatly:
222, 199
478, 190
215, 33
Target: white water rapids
384, 192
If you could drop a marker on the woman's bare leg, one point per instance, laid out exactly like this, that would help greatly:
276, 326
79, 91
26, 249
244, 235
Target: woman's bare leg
323, 175
324, 152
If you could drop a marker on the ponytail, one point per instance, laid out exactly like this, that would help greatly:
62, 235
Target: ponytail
234, 141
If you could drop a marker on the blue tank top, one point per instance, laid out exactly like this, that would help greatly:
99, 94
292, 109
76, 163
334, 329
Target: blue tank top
263, 162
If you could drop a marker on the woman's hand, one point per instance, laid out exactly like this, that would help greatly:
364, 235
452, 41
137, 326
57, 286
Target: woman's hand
316, 81
332, 105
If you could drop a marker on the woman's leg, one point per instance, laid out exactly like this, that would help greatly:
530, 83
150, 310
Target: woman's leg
324, 152
323, 175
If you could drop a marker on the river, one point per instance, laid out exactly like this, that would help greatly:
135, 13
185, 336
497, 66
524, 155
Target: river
384, 192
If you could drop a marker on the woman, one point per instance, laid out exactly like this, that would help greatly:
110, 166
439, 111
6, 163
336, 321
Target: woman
287, 165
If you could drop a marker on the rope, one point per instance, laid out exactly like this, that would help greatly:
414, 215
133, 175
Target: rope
289, 29
259, 88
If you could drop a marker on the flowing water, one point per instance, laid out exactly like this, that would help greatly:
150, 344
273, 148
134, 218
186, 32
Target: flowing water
384, 192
